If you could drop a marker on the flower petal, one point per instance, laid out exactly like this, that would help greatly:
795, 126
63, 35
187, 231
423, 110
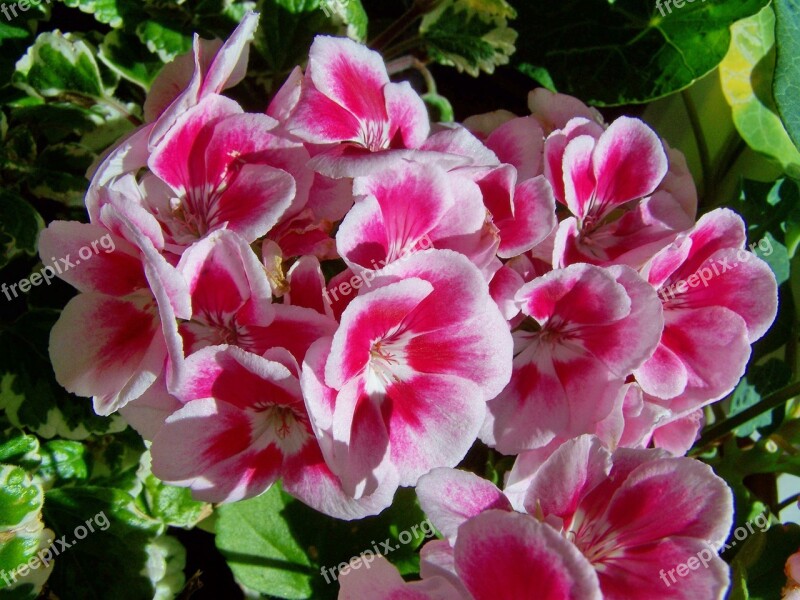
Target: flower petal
522, 555
208, 445
381, 579
125, 340
451, 497
629, 162
116, 271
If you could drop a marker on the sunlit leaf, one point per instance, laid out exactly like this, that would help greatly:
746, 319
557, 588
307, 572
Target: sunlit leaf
786, 86
746, 76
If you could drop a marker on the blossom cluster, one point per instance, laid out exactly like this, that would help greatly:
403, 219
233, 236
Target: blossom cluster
515, 267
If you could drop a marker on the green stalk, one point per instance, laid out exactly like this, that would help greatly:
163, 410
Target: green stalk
767, 404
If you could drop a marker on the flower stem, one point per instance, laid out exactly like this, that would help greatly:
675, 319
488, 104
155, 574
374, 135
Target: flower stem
786, 503
396, 29
87, 101
411, 62
767, 404
700, 139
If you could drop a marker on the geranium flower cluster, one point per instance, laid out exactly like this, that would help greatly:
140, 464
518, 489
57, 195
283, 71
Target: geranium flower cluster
343, 296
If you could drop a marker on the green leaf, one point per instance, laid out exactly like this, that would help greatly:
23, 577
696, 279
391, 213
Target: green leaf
19, 227
57, 120
469, 37
107, 12
20, 499
772, 212
746, 77
777, 257
623, 52
22, 533
261, 549
15, 552
163, 40
735, 464
286, 30
288, 27
105, 135
758, 566
60, 65
62, 461
19, 448
115, 461
19, 148
29, 392
278, 546
58, 173
760, 381
786, 84
95, 566
349, 13
171, 505
10, 32
126, 56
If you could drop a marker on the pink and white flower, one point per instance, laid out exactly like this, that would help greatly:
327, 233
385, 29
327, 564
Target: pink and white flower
347, 99
595, 172
218, 167
241, 426
413, 207
718, 299
403, 384
211, 325
131, 296
632, 514
232, 302
211, 67
497, 555
587, 329
383, 580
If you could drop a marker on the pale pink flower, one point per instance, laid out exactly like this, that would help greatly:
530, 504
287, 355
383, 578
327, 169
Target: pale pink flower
587, 329
718, 299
